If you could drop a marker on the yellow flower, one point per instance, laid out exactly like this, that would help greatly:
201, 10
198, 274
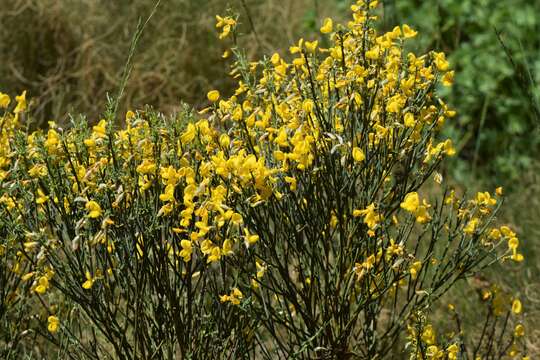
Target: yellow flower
471, 226
89, 142
222, 21
226, 24
373, 53
234, 297
100, 130
28, 276
224, 140
213, 95
296, 49
250, 238
94, 210
215, 254
513, 243
187, 250
409, 121
227, 248
358, 154
421, 214
37, 171
53, 139
519, 330
168, 195
4, 100
308, 105
311, 46
21, 103
449, 148
41, 198
89, 281
362, 268
433, 352
237, 113
395, 104
30, 245
440, 61
506, 231
43, 285
428, 335
292, 182
371, 218
517, 257
327, 26
448, 78
129, 115
452, 351
53, 324
516, 306
261, 269
189, 134
411, 202
146, 167
408, 32
485, 199
415, 269
237, 219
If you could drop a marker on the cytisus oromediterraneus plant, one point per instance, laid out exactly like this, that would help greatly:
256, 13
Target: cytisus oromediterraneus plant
286, 221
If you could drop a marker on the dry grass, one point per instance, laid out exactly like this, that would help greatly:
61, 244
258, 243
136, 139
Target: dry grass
70, 54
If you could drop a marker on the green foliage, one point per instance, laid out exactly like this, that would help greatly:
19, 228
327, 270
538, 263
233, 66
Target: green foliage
496, 90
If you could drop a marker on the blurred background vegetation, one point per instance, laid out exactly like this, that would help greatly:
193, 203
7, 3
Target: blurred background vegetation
69, 54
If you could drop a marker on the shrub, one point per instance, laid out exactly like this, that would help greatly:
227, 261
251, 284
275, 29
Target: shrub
288, 221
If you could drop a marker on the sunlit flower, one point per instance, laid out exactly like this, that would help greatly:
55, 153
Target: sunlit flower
93, 208
327, 26
53, 323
